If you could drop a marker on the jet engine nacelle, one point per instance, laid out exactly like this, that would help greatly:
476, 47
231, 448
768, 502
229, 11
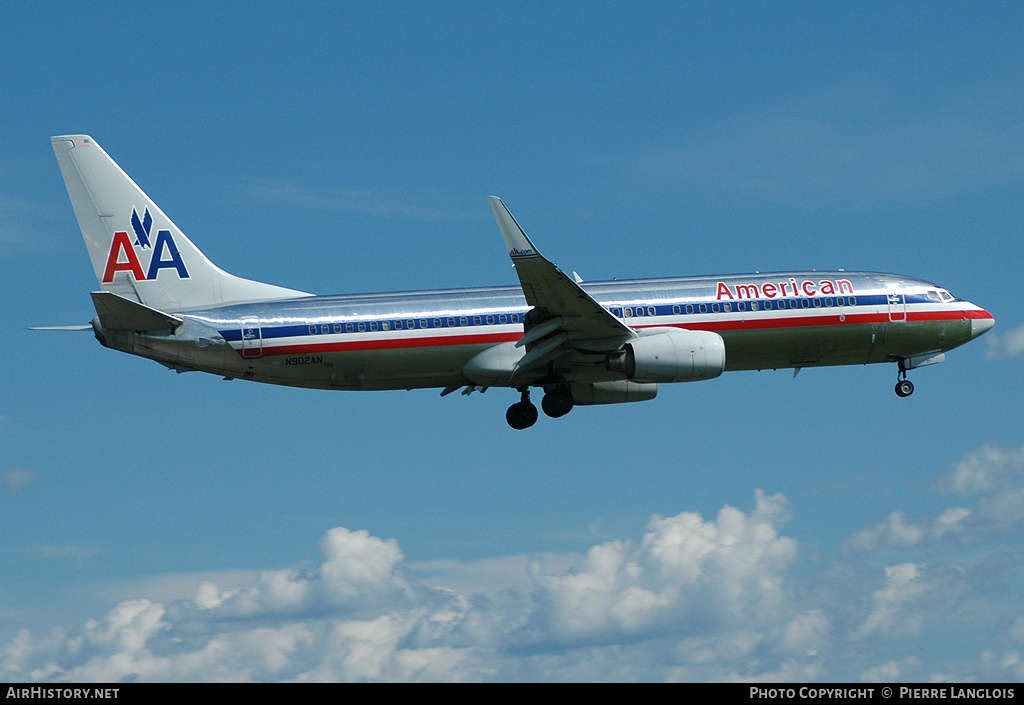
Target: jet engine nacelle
670, 355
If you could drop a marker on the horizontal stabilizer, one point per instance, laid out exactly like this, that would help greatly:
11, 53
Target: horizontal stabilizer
119, 313
71, 328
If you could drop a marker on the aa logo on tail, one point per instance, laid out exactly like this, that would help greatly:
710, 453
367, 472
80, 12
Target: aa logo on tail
124, 258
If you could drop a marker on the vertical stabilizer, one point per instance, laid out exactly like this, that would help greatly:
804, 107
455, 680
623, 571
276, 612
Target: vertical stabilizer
136, 251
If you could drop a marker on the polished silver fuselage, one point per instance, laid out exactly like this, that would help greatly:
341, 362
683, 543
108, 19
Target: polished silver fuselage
425, 338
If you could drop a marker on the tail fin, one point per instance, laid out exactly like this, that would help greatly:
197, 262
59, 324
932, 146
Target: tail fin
137, 252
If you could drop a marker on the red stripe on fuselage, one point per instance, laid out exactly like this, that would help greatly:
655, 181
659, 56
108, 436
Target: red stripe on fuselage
759, 323
391, 344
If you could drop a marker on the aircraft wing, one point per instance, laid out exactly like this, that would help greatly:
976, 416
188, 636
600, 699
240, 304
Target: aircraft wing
564, 317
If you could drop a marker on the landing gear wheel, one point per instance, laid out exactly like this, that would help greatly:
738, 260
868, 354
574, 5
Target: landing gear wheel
521, 415
557, 402
904, 388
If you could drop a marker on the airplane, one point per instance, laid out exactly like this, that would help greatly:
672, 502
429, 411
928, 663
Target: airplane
606, 342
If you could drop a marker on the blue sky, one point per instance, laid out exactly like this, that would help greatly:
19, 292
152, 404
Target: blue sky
168, 527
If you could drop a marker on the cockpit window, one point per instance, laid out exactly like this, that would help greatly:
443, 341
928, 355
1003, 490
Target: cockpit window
934, 295
946, 296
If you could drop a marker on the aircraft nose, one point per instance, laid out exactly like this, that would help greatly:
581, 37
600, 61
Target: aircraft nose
982, 323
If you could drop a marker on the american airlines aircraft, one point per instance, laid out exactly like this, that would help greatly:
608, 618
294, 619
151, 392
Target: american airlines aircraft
582, 343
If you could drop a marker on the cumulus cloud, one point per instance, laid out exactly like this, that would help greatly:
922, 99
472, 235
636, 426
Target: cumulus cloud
1007, 344
986, 470
889, 672
992, 476
697, 593
686, 573
897, 531
895, 607
690, 598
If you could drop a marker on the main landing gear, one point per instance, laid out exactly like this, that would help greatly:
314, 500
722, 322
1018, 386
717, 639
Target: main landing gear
523, 414
904, 387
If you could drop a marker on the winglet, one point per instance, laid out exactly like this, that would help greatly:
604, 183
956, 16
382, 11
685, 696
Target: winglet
518, 245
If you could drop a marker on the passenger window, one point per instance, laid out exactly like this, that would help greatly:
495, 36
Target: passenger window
437, 323
753, 305
714, 308
828, 302
515, 318
639, 310
806, 303
490, 320
362, 327
503, 318
703, 308
325, 328
741, 306
337, 327
651, 311
385, 325
676, 310
853, 300
398, 325
373, 326
689, 308
817, 303
312, 330
476, 320
349, 328
463, 321
727, 307
628, 311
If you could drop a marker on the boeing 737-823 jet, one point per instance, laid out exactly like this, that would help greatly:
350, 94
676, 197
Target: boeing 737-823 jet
594, 343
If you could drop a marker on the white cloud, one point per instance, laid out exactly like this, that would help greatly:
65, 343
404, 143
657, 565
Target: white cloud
898, 532
994, 475
894, 607
704, 593
889, 672
722, 598
1005, 344
687, 573
988, 469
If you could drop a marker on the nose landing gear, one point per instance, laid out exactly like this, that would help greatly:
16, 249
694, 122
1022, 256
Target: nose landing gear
904, 387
